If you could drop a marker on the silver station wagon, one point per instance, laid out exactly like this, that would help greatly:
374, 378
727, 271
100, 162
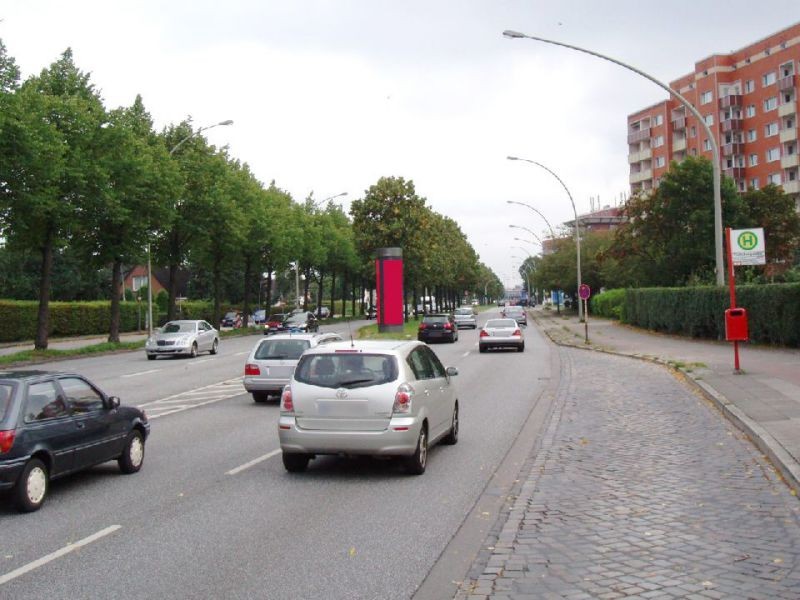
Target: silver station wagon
384, 398
272, 361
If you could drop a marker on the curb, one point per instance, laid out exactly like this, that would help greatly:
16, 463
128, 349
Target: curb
786, 466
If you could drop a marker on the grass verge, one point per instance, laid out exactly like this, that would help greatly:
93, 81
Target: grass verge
370, 332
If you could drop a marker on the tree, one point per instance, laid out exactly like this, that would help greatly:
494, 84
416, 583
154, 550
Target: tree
50, 165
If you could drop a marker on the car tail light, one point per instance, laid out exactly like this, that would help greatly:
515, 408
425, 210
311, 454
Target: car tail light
286, 400
7, 440
422, 326
484, 333
251, 369
517, 332
402, 399
448, 326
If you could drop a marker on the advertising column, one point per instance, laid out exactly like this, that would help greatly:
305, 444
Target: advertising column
389, 287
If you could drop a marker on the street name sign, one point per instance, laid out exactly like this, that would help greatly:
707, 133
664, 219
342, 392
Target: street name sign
747, 247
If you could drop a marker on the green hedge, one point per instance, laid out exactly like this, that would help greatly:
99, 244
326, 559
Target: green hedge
773, 311
608, 304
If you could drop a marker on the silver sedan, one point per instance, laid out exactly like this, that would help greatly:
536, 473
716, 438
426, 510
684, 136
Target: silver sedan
501, 333
182, 338
465, 317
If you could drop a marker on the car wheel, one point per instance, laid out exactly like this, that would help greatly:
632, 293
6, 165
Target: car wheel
295, 463
32, 486
151, 357
132, 457
193, 353
215, 346
416, 463
521, 348
452, 438
260, 396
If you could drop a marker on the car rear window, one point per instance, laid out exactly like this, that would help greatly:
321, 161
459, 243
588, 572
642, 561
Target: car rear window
464, 311
349, 370
435, 319
514, 309
281, 349
5, 399
500, 323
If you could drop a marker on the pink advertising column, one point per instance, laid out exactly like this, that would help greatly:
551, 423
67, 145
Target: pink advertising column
389, 286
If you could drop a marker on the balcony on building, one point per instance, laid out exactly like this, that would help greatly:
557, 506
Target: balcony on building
789, 161
788, 134
640, 176
732, 149
791, 187
732, 124
786, 83
678, 143
639, 135
678, 123
730, 100
787, 108
736, 173
644, 154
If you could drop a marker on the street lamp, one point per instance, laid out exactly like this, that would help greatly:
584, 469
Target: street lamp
552, 233
149, 262
318, 202
577, 227
529, 231
720, 265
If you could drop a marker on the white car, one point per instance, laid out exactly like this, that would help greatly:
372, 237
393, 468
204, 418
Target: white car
384, 398
465, 317
501, 333
182, 337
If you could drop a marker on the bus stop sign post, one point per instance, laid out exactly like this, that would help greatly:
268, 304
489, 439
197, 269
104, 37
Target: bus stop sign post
584, 292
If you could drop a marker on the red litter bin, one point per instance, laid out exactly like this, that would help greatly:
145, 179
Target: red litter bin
736, 325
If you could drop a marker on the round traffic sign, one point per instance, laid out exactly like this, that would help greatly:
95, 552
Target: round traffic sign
584, 291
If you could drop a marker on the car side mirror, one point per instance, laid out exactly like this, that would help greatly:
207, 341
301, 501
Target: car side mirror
451, 371
113, 402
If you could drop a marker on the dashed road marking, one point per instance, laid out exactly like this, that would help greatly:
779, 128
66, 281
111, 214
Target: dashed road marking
202, 396
465, 354
253, 462
140, 373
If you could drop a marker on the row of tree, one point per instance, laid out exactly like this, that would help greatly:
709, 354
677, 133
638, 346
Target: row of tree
91, 190
667, 239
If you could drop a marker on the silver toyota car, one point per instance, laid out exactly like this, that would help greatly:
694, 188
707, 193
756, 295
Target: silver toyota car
387, 398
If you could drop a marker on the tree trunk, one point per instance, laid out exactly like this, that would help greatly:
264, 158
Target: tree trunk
268, 298
173, 277
415, 300
248, 268
43, 318
353, 299
306, 283
116, 285
216, 278
319, 292
333, 292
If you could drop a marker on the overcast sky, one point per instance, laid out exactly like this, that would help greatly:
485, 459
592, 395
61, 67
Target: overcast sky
328, 96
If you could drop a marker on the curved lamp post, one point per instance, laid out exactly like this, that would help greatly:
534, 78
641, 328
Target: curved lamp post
318, 202
720, 264
550, 227
577, 226
538, 239
149, 262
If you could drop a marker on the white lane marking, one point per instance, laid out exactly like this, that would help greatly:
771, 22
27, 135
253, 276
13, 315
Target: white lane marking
140, 373
253, 462
228, 381
198, 361
57, 554
242, 353
465, 354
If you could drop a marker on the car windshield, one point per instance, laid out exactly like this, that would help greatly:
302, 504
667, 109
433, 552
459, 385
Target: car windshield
464, 311
501, 324
230, 315
435, 319
5, 399
281, 349
178, 328
301, 318
349, 370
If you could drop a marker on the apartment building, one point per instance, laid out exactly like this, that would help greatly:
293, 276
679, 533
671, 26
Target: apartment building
748, 99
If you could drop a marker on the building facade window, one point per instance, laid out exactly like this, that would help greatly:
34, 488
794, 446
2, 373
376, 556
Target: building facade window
774, 178
770, 129
754, 183
750, 111
773, 154
138, 282
693, 131
769, 78
752, 136
705, 97
706, 145
753, 160
771, 103
660, 161
658, 141
658, 120
749, 86
709, 119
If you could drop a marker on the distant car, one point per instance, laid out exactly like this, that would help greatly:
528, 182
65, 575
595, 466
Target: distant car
501, 303
274, 323
438, 327
323, 312
385, 398
371, 313
517, 313
259, 317
231, 319
475, 303
465, 317
272, 361
182, 337
301, 322
53, 424
501, 333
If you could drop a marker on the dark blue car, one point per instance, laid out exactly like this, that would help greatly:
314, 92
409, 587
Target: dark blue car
53, 424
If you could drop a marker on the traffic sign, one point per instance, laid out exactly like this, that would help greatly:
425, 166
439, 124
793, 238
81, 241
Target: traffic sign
584, 292
747, 246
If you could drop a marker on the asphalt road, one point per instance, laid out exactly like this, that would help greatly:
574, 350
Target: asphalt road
214, 514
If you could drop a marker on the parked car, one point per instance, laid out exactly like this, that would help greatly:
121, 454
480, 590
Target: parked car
501, 333
232, 319
465, 317
386, 398
274, 323
182, 337
259, 317
303, 321
53, 424
323, 312
370, 313
517, 313
272, 361
438, 327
